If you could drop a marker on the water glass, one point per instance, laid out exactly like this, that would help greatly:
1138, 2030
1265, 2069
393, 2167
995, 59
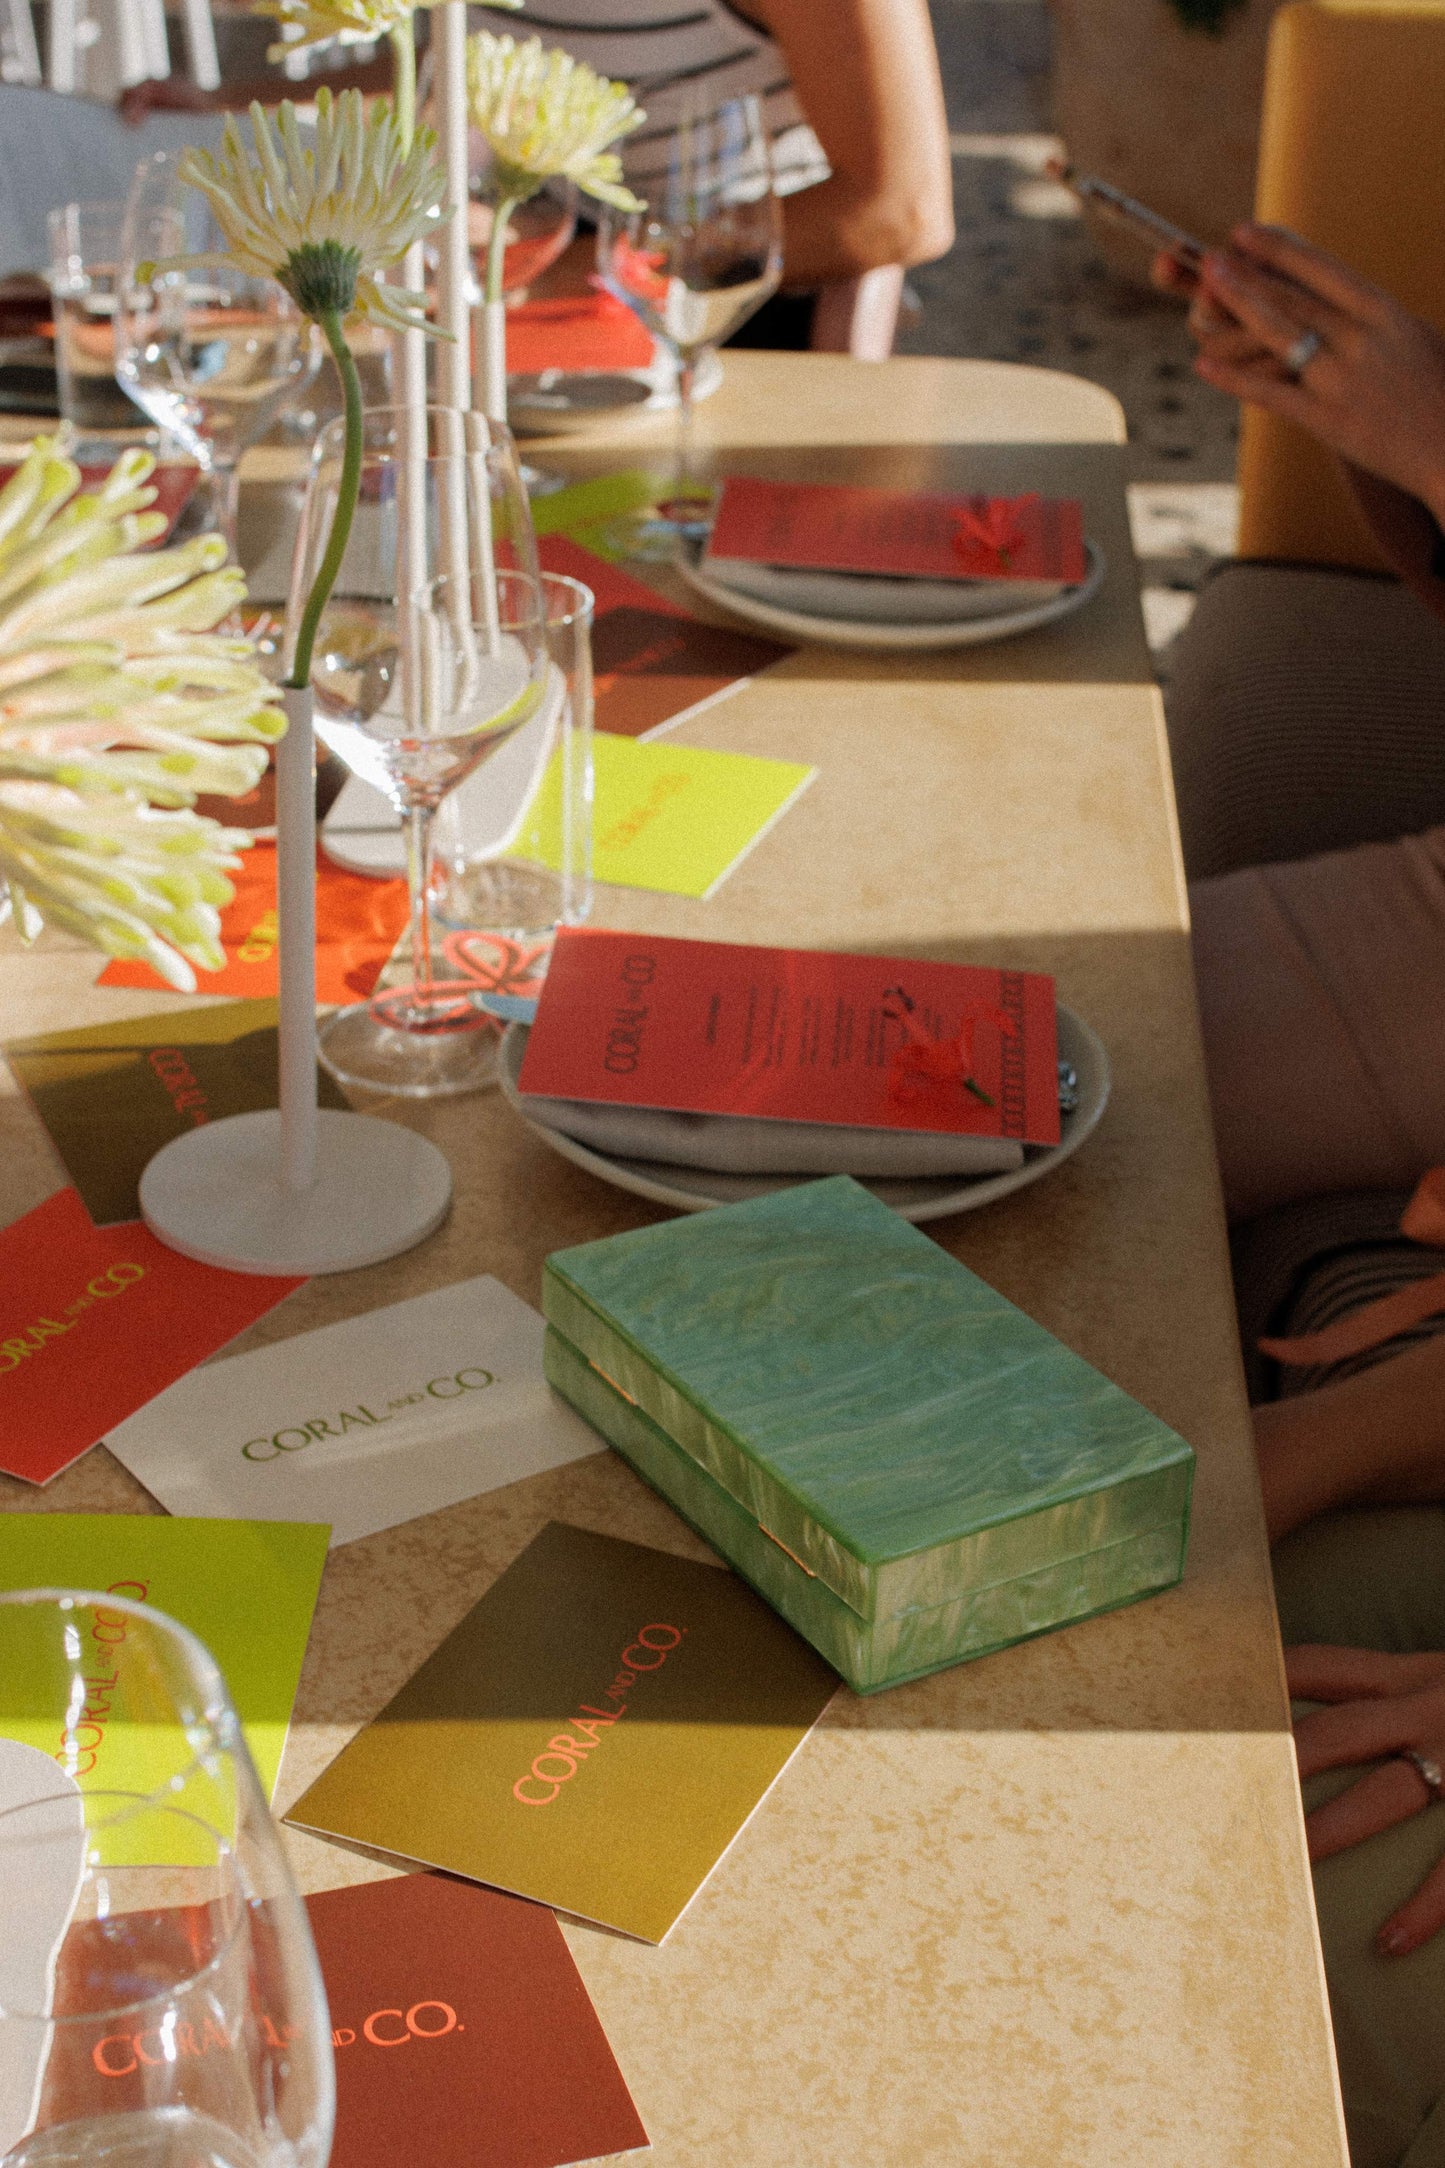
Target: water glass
514, 843
85, 255
160, 2001
429, 660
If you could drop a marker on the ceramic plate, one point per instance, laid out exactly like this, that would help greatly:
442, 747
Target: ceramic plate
966, 631
559, 401
695, 1189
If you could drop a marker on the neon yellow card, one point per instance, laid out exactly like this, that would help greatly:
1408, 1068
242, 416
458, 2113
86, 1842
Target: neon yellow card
672, 817
247, 1589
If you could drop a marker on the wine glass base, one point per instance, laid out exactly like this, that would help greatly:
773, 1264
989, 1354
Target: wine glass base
381, 1046
216, 1194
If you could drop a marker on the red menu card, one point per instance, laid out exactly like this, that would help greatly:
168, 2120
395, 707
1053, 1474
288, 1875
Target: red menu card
95, 1321
833, 527
877, 1042
653, 663
575, 331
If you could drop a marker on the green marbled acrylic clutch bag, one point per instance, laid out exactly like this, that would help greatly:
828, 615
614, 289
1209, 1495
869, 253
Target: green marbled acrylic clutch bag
910, 1469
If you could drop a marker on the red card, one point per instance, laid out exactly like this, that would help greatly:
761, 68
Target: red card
575, 331
172, 484
832, 527
463, 2035
358, 923
94, 1322
653, 663
876, 1042
463, 2032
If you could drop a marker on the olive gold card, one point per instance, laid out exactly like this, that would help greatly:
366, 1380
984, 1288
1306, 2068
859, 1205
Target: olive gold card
593, 1735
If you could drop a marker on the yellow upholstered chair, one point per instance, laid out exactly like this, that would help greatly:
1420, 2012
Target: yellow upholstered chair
1352, 156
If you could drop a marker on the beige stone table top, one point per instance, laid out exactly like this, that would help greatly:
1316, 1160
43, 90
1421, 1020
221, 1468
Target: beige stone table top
1050, 1909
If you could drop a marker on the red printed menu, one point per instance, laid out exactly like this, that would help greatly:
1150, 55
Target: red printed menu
833, 527
877, 1042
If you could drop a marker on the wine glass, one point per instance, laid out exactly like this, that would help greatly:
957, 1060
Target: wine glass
703, 256
431, 653
160, 2000
537, 232
212, 355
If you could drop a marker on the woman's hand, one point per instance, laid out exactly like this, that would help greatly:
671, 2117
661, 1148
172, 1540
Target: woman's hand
1374, 387
1379, 1706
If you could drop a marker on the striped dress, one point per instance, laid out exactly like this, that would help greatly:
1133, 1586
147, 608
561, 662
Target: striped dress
678, 56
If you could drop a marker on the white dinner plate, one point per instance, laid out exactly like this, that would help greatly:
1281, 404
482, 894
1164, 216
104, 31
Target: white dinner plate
968, 630
696, 1189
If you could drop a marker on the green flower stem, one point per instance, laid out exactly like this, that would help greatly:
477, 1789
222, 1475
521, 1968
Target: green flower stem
403, 104
346, 496
497, 246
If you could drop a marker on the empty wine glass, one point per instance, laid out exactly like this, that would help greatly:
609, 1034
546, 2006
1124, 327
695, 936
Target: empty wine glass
160, 2000
212, 355
537, 232
703, 256
430, 654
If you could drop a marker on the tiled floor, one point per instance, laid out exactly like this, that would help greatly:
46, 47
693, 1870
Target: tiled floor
1024, 283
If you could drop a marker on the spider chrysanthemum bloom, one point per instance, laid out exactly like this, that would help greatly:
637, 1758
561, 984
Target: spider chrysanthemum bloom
546, 115
346, 22
116, 699
324, 218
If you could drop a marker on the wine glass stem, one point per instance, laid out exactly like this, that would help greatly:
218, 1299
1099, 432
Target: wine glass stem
418, 869
686, 379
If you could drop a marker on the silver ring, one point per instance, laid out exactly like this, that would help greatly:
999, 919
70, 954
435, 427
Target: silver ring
1301, 352
1429, 1772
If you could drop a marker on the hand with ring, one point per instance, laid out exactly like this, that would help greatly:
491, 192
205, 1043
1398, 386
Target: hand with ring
1389, 1710
1286, 326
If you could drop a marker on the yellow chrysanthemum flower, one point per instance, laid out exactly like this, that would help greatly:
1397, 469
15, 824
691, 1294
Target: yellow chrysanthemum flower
347, 22
116, 697
547, 115
323, 220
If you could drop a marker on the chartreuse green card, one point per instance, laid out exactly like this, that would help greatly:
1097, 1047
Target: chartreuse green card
676, 818
246, 1589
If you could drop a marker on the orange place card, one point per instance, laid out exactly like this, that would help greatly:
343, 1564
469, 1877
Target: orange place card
876, 1042
833, 527
358, 923
575, 331
94, 1321
594, 1734
506, 2062
652, 663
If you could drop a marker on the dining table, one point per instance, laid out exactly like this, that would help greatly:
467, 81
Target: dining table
1051, 1908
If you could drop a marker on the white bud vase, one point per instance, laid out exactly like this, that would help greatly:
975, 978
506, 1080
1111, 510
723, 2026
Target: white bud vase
298, 1189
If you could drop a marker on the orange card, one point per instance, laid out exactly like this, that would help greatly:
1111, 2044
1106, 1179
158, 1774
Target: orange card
94, 1322
575, 331
358, 923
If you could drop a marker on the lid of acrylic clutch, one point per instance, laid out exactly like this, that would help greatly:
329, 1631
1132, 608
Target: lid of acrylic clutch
871, 1402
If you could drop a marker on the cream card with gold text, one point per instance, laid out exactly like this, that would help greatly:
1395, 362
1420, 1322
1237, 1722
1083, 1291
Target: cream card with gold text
376, 1420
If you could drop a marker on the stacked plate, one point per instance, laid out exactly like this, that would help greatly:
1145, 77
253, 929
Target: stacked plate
851, 609
1084, 1093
